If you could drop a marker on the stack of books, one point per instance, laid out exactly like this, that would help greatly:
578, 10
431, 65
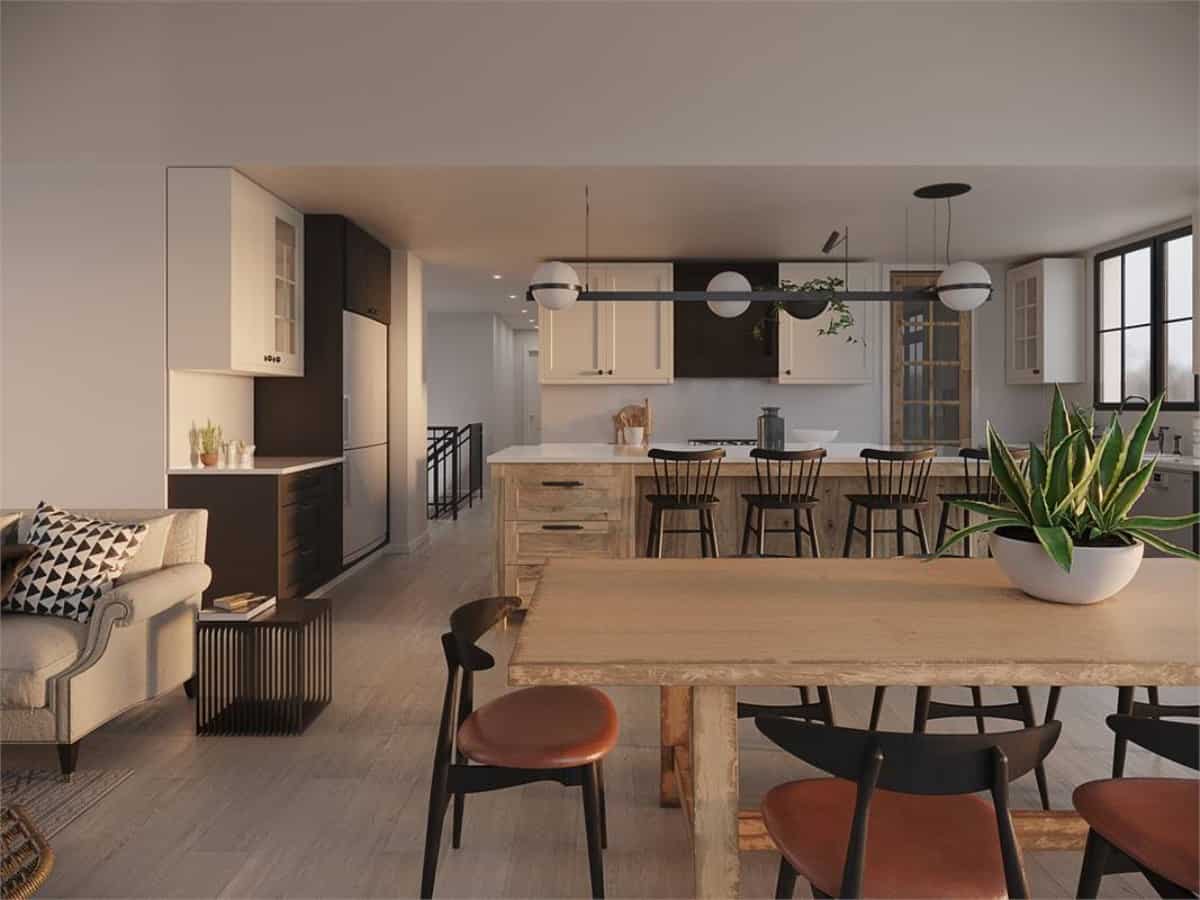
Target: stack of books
237, 607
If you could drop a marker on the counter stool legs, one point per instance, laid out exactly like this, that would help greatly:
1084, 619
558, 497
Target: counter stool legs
746, 529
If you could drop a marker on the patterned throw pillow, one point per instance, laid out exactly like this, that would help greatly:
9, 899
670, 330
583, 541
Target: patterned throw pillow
77, 560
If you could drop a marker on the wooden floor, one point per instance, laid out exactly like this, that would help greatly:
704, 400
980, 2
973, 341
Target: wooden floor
340, 812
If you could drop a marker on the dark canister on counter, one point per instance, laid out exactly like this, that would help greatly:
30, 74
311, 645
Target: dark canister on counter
770, 429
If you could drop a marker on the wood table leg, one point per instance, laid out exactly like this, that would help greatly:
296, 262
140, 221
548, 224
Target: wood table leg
676, 723
715, 785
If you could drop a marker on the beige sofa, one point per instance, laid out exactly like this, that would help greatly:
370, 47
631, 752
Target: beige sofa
61, 679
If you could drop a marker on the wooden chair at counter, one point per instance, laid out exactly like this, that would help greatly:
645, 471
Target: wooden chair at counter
545, 733
787, 481
1147, 825
897, 482
980, 487
684, 481
898, 818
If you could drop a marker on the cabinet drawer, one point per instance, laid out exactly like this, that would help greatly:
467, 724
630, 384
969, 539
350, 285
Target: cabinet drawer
531, 543
563, 493
303, 486
299, 524
298, 572
521, 581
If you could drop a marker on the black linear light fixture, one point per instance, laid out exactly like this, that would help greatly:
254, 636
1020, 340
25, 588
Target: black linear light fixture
962, 286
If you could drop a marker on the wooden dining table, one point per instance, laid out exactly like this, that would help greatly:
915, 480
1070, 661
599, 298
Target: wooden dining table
701, 628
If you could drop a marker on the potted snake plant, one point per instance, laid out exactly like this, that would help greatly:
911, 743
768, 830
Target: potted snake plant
1063, 529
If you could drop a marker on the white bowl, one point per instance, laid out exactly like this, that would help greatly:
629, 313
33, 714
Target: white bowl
1097, 573
815, 436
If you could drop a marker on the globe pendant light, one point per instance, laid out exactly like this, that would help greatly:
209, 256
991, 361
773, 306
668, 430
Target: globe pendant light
729, 282
555, 285
962, 286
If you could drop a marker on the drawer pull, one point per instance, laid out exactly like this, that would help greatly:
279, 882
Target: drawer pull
562, 528
562, 484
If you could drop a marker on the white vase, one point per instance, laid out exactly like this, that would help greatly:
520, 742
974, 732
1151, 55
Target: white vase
1096, 572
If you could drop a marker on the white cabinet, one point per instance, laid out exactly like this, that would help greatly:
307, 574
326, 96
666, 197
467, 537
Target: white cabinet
626, 342
1044, 322
808, 357
235, 276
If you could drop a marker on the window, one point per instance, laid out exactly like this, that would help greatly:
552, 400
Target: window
931, 369
1144, 309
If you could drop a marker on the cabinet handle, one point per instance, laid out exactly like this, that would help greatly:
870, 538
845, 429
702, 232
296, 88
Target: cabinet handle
345, 419
610, 371
599, 371
1037, 371
787, 372
562, 484
562, 528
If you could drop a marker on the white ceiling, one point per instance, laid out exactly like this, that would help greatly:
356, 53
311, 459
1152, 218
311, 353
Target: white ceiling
470, 223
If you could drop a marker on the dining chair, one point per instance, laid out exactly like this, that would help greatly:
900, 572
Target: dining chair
786, 481
684, 481
897, 482
544, 733
899, 818
1129, 705
1147, 825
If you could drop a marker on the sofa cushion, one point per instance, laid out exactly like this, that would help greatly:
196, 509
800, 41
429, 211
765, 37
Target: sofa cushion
32, 650
13, 560
78, 559
149, 556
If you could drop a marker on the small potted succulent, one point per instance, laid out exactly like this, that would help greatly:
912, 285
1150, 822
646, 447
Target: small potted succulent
1063, 530
209, 440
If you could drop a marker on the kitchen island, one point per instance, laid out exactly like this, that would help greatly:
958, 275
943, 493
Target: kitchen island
586, 501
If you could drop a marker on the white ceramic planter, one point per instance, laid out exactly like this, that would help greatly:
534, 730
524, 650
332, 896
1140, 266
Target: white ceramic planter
1096, 572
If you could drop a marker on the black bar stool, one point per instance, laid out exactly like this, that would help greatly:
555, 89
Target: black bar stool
787, 480
897, 481
980, 487
684, 480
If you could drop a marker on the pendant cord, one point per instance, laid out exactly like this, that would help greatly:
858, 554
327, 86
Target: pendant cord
949, 222
935, 240
587, 235
846, 256
906, 218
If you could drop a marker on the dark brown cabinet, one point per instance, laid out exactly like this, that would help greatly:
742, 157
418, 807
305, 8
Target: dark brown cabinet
368, 275
271, 534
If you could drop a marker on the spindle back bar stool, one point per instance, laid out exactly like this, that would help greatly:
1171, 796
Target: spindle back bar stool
980, 487
684, 480
897, 481
787, 480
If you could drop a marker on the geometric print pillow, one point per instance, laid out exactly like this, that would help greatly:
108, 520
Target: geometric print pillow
77, 559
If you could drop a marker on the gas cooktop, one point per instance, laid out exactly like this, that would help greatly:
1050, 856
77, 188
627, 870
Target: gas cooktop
722, 442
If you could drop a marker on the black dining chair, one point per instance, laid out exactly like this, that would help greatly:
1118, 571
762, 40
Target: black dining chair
684, 481
544, 733
786, 482
1147, 825
899, 818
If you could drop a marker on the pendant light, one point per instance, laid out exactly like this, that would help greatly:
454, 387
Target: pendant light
962, 286
729, 282
555, 285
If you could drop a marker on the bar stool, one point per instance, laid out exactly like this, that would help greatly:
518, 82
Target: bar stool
980, 487
684, 480
897, 481
787, 480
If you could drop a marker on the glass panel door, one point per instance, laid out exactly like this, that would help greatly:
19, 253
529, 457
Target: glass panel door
284, 331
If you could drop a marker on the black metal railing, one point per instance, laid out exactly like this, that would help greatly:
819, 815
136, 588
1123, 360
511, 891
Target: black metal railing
454, 468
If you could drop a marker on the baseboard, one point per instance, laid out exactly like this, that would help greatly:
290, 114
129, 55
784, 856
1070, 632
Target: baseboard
370, 559
418, 546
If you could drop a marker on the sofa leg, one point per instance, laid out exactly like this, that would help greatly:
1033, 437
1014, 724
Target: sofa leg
68, 755
189, 688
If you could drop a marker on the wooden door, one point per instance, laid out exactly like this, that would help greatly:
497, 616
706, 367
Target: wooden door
640, 339
931, 369
808, 357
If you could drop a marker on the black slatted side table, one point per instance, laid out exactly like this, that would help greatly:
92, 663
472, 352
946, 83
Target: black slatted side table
271, 675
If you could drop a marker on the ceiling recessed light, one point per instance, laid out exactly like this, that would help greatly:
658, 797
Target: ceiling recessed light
512, 296
497, 276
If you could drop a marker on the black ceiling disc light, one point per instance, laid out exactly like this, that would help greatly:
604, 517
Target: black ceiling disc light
942, 191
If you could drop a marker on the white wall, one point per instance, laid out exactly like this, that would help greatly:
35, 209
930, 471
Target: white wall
1084, 394
471, 369
197, 397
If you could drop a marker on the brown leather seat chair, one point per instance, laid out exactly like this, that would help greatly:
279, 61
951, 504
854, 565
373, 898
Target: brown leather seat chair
1147, 825
537, 734
899, 819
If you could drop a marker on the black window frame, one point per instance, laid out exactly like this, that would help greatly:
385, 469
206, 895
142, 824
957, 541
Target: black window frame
1158, 322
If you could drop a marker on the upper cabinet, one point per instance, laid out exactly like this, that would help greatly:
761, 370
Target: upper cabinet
368, 275
235, 276
1045, 322
626, 342
808, 357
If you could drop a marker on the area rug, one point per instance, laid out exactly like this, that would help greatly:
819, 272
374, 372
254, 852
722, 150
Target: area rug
52, 803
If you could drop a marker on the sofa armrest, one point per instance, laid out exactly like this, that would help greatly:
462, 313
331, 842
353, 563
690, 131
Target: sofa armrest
152, 594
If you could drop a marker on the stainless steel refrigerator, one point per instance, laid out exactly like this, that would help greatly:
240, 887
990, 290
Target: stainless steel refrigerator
364, 435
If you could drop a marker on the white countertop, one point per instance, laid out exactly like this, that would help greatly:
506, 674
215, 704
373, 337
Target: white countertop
612, 453
267, 465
